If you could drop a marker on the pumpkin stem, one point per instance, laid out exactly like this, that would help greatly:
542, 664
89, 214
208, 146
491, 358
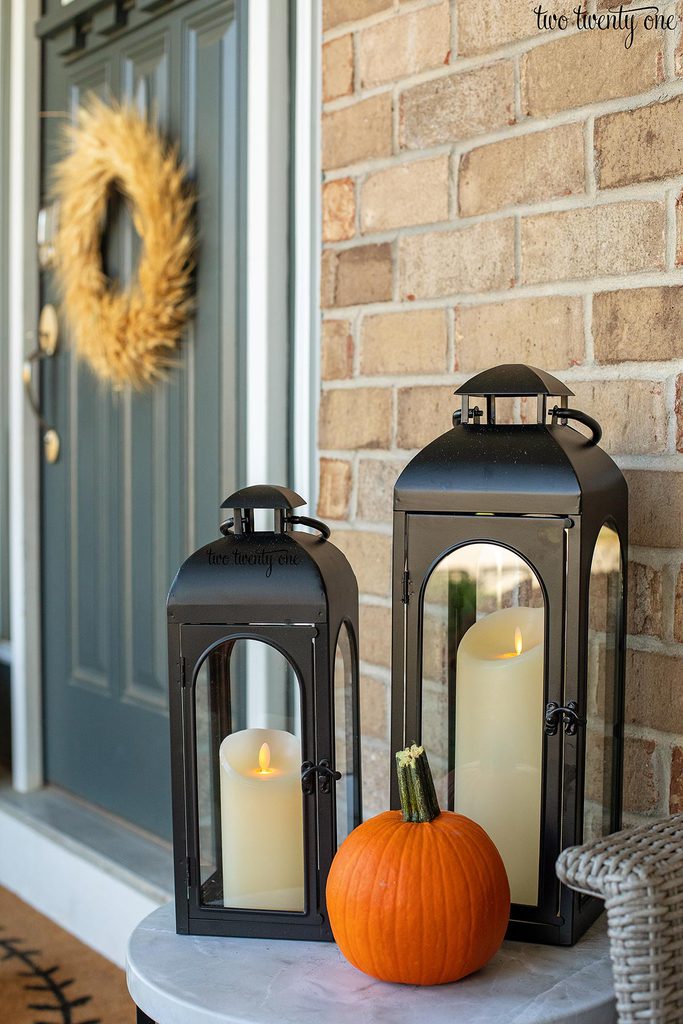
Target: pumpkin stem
419, 801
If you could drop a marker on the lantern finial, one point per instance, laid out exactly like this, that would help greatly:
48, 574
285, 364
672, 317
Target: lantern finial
264, 496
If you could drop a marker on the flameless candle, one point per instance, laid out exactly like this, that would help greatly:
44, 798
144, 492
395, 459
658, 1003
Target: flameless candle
499, 736
262, 820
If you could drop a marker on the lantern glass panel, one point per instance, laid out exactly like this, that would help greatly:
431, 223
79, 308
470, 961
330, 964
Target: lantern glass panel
249, 800
343, 733
604, 606
482, 699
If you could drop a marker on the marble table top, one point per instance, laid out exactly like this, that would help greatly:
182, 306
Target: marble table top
180, 979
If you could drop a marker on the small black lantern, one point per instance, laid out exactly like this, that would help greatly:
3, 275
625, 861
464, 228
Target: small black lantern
263, 658
509, 584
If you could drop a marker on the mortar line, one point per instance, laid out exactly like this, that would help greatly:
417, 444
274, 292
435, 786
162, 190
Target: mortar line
589, 155
463, 65
671, 229
364, 526
454, 30
561, 287
529, 125
356, 339
517, 83
453, 179
650, 373
589, 345
355, 43
669, 573
660, 463
353, 496
451, 349
505, 50
669, 47
645, 193
678, 36
379, 672
671, 413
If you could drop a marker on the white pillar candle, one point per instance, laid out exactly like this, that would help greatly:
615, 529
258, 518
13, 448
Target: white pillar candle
499, 737
262, 820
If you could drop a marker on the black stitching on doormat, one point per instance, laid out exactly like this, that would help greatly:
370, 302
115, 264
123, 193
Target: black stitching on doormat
44, 979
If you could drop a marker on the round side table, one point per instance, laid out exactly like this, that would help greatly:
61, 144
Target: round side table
181, 979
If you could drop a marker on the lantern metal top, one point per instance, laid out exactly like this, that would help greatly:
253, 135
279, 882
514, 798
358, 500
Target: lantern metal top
281, 500
513, 379
283, 574
264, 496
545, 467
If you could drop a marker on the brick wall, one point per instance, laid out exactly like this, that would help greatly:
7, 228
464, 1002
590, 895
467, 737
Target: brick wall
493, 193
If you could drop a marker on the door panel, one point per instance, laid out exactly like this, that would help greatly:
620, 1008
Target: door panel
140, 476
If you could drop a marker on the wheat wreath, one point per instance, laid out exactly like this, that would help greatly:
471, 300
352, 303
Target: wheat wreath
127, 335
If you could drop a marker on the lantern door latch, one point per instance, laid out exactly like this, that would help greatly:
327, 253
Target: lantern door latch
556, 715
324, 772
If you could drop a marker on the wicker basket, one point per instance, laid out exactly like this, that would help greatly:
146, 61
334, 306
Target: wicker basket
639, 874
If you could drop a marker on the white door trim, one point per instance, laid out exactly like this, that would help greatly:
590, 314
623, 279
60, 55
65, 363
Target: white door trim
279, 166
266, 327
24, 454
306, 249
269, 378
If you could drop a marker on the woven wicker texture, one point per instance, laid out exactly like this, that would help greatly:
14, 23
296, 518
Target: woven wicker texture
639, 874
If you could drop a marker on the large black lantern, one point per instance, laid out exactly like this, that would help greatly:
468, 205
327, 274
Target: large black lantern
509, 585
263, 651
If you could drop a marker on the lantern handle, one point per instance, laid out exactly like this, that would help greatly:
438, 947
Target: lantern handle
560, 413
315, 524
472, 414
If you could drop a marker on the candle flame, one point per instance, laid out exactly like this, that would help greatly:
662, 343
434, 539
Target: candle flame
264, 759
518, 641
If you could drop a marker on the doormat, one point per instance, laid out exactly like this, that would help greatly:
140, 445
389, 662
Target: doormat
49, 977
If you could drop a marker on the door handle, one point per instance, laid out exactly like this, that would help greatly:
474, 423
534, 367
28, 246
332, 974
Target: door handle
48, 335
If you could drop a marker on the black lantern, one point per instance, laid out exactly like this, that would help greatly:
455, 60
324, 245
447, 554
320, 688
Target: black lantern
508, 632
265, 756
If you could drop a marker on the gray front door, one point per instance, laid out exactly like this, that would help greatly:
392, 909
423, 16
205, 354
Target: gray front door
140, 476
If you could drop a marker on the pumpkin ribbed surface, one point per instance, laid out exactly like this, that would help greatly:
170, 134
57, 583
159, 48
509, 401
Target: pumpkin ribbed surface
421, 903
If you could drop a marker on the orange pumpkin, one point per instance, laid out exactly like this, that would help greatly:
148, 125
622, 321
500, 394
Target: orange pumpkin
419, 896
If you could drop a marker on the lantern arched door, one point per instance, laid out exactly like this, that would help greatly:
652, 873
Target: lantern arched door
499, 549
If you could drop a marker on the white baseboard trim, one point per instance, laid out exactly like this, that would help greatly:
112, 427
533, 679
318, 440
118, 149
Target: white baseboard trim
84, 894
